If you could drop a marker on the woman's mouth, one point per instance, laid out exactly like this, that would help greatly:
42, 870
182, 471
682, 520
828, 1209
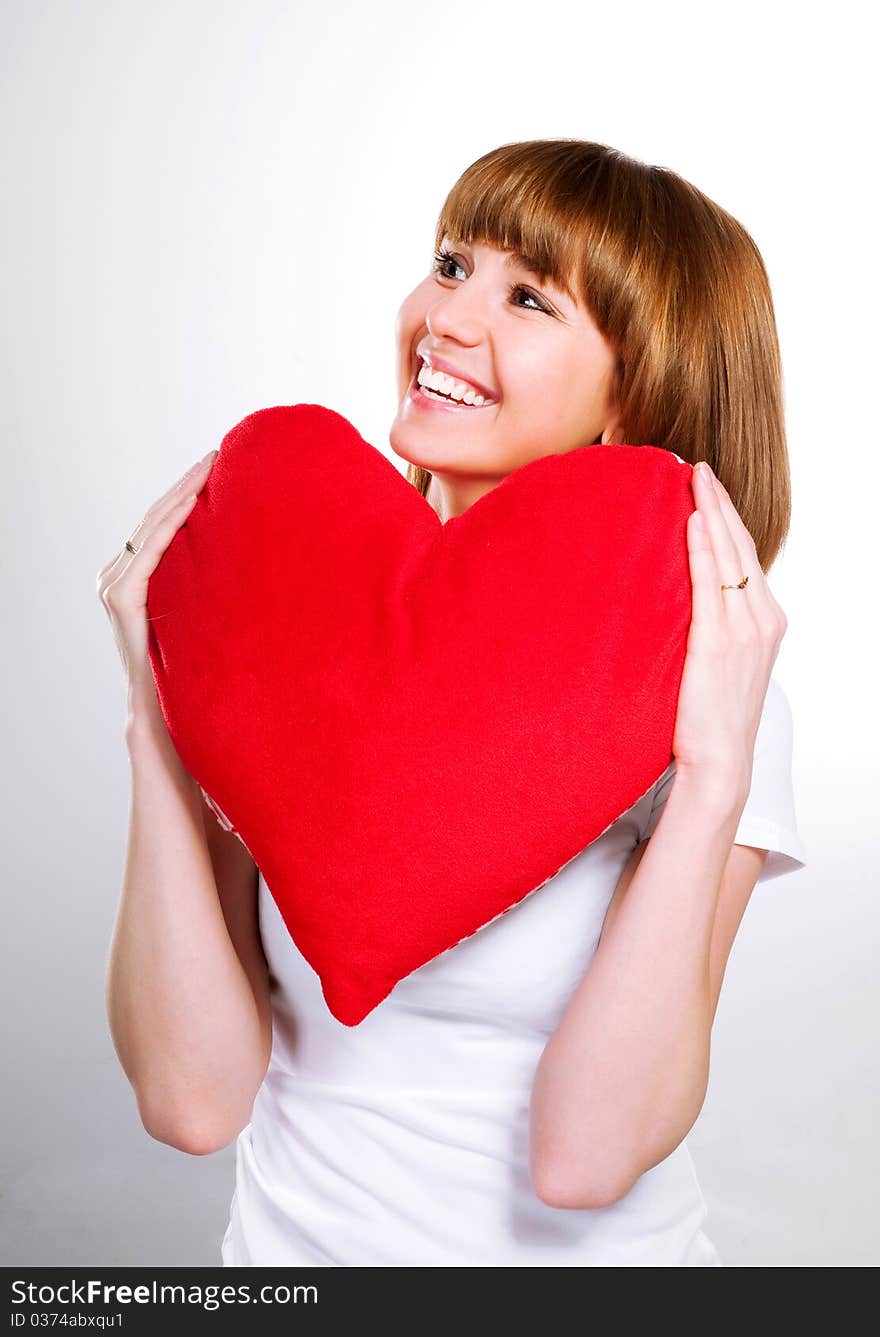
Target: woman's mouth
431, 397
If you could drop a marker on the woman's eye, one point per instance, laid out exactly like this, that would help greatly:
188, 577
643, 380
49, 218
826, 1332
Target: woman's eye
517, 287
443, 258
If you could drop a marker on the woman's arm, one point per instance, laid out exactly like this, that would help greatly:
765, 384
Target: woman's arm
188, 1015
624, 1076
187, 986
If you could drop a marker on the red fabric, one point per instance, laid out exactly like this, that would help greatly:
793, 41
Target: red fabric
413, 725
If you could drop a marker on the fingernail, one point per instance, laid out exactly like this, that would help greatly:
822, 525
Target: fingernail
705, 472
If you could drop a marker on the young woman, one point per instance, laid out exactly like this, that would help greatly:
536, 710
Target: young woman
524, 1098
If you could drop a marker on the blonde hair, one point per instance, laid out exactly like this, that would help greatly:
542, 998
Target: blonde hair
674, 283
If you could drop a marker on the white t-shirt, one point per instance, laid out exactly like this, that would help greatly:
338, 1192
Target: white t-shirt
403, 1141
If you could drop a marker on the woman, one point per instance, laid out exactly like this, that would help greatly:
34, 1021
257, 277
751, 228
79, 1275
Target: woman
524, 1098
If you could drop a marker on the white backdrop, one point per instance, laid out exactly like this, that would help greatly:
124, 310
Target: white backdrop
214, 207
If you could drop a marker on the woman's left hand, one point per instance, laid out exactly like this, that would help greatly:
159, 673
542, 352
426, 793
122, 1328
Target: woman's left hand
732, 646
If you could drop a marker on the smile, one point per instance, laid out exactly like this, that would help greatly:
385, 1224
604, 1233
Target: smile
430, 388
438, 384
425, 398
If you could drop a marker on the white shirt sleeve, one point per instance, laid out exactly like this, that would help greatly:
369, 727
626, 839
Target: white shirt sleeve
768, 820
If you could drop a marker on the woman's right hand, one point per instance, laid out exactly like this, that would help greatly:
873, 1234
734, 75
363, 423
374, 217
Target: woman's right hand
122, 583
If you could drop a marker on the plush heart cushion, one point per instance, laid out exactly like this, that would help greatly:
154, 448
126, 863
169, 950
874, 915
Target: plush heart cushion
412, 725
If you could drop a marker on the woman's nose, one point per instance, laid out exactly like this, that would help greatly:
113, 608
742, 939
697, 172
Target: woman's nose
458, 316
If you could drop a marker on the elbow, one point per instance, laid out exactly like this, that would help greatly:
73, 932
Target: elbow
582, 1188
193, 1142
584, 1185
196, 1137
564, 1175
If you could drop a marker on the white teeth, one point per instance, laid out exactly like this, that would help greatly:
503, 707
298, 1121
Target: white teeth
446, 385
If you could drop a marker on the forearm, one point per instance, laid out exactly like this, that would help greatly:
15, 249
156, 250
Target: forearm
182, 1013
625, 1073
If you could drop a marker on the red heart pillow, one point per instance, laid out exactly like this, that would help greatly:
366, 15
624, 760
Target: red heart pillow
412, 725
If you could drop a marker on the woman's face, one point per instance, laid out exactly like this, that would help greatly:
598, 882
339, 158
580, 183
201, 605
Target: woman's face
548, 370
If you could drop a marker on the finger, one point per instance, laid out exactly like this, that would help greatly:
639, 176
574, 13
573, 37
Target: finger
143, 563
161, 533
197, 474
745, 544
707, 609
727, 556
140, 565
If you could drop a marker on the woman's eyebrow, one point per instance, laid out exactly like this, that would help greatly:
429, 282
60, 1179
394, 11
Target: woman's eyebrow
524, 261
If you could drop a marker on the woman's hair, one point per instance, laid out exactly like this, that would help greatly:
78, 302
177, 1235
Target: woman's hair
674, 283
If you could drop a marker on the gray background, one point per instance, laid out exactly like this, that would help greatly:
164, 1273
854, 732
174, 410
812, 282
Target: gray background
215, 207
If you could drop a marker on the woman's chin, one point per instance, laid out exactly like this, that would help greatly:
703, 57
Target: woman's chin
407, 446
431, 445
